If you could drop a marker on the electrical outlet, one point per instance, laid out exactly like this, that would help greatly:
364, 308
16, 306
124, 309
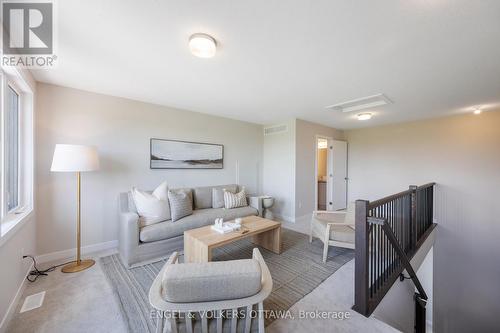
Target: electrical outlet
300, 204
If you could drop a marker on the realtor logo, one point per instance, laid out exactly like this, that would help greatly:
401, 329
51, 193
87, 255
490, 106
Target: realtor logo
28, 28
28, 38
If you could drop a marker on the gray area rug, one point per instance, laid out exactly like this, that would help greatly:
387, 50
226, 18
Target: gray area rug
295, 272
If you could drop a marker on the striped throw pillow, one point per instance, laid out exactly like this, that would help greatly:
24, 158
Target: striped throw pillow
181, 203
235, 200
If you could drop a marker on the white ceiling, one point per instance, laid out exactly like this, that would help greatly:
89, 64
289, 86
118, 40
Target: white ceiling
283, 59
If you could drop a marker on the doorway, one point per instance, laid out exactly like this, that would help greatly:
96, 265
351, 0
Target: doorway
330, 174
321, 179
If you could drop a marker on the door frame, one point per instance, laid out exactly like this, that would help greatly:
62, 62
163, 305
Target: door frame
316, 138
346, 183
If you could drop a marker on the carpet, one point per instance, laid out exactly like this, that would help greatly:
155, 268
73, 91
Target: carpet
296, 272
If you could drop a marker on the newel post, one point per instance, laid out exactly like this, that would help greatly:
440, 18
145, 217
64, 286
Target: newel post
361, 269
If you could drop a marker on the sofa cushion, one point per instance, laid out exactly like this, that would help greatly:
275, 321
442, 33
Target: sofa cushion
181, 203
213, 281
199, 218
202, 197
218, 194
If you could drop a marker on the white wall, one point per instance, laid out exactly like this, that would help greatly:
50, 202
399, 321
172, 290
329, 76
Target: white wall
21, 241
305, 162
14, 269
279, 171
397, 308
121, 129
462, 154
426, 277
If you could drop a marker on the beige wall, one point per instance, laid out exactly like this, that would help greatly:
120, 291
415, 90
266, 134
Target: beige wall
121, 130
305, 164
462, 154
289, 168
279, 171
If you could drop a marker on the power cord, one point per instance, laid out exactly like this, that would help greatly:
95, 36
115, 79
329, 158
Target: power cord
35, 273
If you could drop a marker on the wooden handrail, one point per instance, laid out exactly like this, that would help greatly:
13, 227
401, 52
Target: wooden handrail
389, 232
391, 197
421, 187
380, 202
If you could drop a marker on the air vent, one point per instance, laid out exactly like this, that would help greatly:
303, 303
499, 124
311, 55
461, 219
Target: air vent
32, 302
361, 103
275, 129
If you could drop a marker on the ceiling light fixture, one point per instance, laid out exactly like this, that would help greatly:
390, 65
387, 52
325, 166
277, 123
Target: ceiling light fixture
202, 45
477, 111
364, 116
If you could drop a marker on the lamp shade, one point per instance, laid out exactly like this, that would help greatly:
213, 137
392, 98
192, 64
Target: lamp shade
74, 158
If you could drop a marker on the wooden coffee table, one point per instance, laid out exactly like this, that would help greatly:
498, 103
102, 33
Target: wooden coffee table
199, 243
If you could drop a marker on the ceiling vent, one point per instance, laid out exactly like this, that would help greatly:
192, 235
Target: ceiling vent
361, 103
276, 129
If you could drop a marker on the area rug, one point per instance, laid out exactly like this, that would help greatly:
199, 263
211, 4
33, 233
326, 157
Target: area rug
296, 272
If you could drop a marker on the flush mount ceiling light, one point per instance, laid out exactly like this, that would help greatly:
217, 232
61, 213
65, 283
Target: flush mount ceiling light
364, 116
477, 110
202, 45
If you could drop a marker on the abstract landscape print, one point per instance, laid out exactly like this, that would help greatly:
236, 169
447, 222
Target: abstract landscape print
174, 154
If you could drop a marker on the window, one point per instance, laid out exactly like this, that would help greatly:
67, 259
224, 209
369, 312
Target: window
16, 195
12, 149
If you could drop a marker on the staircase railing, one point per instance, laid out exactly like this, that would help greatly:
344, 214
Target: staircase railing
389, 232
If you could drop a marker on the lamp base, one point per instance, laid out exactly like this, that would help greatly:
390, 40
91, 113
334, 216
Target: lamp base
75, 267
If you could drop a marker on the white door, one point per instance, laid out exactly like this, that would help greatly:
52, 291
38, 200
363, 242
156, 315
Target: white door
337, 175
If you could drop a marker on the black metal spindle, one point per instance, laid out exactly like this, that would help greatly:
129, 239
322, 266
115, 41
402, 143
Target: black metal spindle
408, 216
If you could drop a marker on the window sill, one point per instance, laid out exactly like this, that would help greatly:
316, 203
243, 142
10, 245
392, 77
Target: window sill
12, 223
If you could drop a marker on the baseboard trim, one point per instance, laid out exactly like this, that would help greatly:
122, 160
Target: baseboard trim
13, 304
283, 218
53, 256
303, 219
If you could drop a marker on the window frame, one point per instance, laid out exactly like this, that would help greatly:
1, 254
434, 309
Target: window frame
11, 220
9, 84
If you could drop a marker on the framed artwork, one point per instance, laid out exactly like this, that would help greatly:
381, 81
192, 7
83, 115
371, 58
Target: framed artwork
175, 154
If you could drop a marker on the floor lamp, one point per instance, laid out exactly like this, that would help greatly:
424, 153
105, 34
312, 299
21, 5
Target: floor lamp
76, 158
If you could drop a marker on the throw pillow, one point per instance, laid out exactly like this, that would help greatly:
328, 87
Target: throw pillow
235, 200
152, 207
218, 194
181, 203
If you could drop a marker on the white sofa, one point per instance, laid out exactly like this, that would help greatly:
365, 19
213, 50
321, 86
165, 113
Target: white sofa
142, 245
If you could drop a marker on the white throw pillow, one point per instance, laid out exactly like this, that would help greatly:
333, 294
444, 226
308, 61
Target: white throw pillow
235, 200
152, 207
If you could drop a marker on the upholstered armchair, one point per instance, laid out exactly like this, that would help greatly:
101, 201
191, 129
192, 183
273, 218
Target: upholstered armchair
183, 292
334, 228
